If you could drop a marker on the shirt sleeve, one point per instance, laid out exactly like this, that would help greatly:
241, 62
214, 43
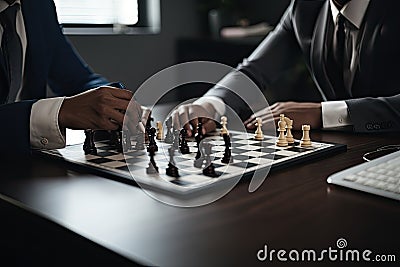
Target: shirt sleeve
45, 131
217, 103
335, 114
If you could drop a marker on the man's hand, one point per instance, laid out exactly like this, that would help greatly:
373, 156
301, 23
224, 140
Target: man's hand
300, 112
189, 115
102, 108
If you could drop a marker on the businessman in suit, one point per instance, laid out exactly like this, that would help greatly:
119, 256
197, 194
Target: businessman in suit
351, 48
35, 54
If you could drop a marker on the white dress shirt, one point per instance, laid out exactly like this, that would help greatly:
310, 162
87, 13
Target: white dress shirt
44, 129
334, 113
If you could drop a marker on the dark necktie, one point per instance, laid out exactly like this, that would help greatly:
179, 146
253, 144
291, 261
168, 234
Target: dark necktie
12, 51
338, 58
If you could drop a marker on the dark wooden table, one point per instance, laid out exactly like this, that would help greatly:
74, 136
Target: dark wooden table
91, 218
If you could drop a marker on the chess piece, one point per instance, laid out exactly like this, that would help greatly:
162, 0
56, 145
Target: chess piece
227, 158
209, 169
140, 139
148, 127
184, 148
159, 130
176, 142
152, 142
289, 127
172, 170
119, 147
199, 133
224, 122
169, 138
127, 140
152, 168
282, 142
258, 135
114, 139
89, 147
305, 140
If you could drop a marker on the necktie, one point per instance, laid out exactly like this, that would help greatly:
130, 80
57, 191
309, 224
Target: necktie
338, 58
12, 51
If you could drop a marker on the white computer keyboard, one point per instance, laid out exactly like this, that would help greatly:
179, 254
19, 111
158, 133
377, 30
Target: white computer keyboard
380, 176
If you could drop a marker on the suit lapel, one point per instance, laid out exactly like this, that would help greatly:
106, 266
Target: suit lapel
319, 53
373, 22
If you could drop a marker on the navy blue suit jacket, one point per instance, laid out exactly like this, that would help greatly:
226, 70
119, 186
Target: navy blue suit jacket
373, 100
50, 60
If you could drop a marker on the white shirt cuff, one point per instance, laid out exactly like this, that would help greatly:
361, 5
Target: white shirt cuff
335, 114
45, 131
216, 102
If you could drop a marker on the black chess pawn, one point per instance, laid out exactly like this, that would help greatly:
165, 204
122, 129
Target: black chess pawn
227, 158
184, 148
209, 169
152, 168
176, 141
89, 147
172, 170
152, 140
169, 138
148, 127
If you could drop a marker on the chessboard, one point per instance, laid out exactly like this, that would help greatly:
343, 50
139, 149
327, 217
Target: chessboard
248, 156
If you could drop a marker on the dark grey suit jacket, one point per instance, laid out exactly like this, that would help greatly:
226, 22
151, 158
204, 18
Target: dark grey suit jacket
373, 100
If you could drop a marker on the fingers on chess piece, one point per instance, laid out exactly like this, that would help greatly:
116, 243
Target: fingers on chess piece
172, 170
169, 138
258, 135
184, 147
89, 147
159, 130
224, 122
305, 140
282, 141
227, 158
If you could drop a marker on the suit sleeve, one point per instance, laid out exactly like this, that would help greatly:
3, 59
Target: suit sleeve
268, 62
381, 114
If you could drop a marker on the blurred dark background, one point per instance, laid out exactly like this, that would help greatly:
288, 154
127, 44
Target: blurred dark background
187, 35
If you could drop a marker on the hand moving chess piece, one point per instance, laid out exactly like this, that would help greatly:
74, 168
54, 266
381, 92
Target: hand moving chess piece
259, 136
305, 140
282, 142
224, 122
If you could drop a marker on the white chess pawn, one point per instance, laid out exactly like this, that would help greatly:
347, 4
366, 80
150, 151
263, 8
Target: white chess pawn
159, 130
224, 122
289, 127
305, 140
258, 135
281, 129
